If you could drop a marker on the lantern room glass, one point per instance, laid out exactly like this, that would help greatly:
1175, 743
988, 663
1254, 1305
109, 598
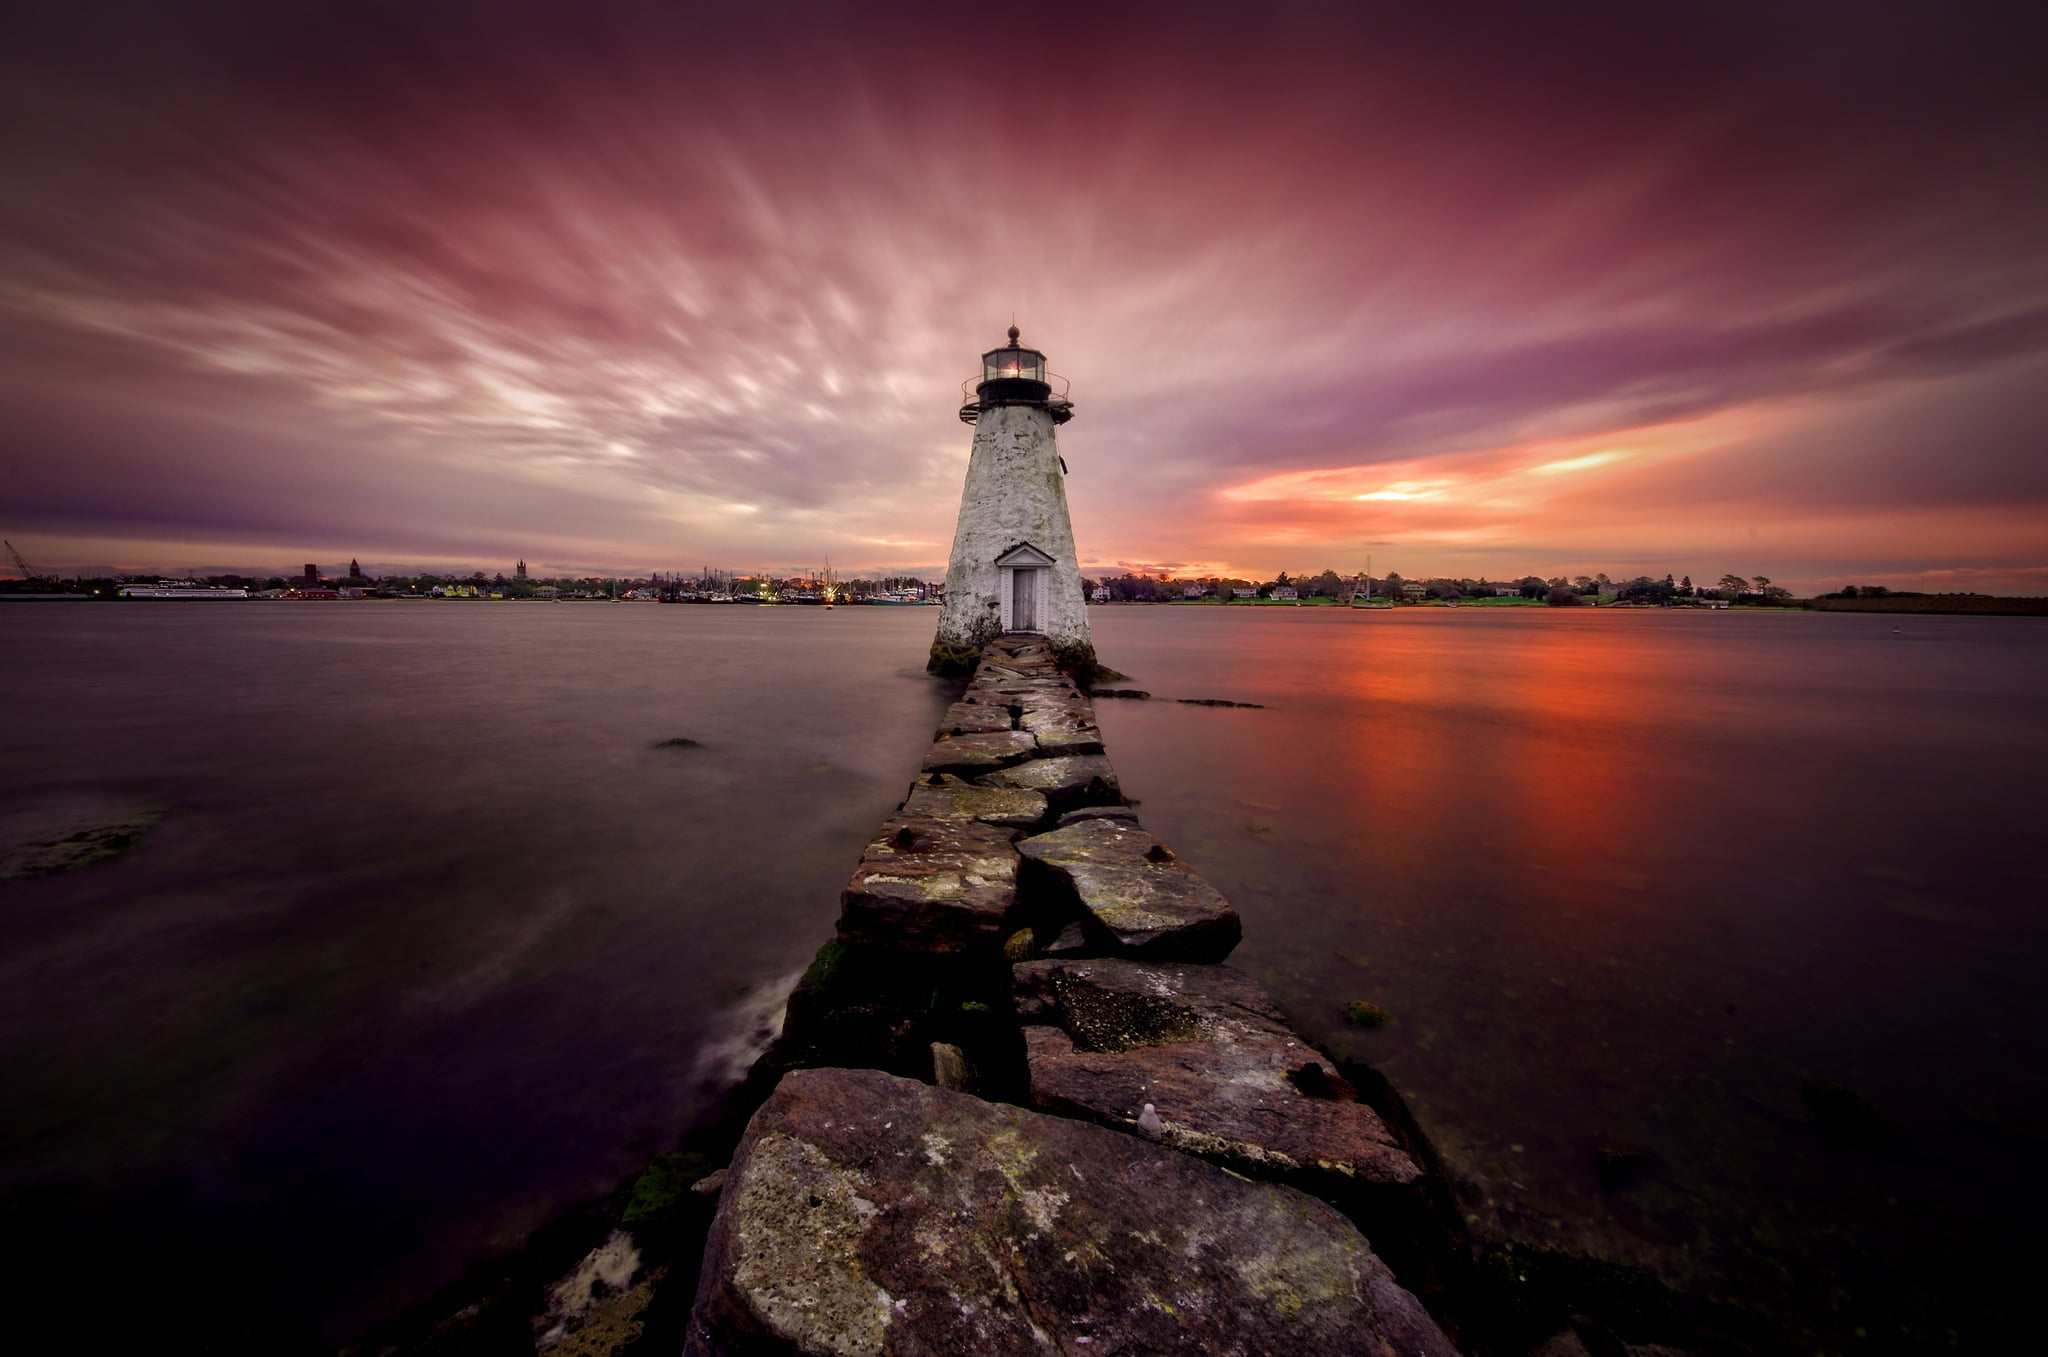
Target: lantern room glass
1008, 364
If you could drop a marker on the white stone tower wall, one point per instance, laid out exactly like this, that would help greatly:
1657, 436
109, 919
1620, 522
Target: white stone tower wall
1015, 492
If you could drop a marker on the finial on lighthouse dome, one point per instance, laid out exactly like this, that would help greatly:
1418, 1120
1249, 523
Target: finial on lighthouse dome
1013, 336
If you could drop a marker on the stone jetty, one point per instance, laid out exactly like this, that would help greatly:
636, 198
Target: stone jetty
1021, 1105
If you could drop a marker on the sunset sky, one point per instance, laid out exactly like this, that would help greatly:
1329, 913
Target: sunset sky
622, 285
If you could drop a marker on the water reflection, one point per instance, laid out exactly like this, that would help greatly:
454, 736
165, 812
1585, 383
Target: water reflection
1624, 881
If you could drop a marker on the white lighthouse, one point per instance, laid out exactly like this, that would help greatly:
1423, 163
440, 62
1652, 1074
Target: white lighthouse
1013, 567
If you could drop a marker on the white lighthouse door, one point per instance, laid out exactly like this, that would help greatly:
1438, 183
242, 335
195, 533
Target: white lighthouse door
1024, 600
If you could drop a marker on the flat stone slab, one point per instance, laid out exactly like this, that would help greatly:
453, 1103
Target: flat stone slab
931, 886
970, 718
867, 1215
1205, 1045
1075, 713
1029, 696
1064, 740
1065, 729
957, 799
1137, 899
1081, 779
977, 753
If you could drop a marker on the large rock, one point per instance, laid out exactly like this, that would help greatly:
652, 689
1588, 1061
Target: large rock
1077, 780
946, 797
969, 718
865, 1214
1020, 698
977, 753
1207, 1048
931, 886
1065, 729
1136, 898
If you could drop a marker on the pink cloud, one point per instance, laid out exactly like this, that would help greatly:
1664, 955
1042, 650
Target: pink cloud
635, 290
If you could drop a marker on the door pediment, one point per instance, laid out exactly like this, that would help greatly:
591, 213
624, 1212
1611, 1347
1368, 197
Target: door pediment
1024, 556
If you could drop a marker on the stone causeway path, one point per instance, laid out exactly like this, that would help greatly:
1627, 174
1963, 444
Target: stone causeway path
1024, 1106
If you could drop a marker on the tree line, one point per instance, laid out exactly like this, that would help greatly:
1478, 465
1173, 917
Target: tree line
1558, 590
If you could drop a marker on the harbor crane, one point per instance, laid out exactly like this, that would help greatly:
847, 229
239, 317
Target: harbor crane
28, 574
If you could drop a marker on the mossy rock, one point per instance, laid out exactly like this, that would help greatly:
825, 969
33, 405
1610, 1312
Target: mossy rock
1077, 660
1359, 1013
663, 1190
953, 661
819, 972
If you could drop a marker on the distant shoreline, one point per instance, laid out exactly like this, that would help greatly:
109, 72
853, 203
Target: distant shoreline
1979, 605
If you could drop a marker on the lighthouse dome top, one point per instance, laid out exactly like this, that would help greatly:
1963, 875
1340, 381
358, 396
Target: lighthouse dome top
1015, 375
1013, 362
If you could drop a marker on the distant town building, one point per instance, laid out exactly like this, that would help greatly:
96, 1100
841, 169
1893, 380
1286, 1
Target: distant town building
1101, 594
311, 579
547, 591
1287, 591
519, 571
1244, 593
1194, 591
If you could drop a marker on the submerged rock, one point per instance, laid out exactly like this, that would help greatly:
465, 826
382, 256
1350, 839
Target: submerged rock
931, 886
1207, 1048
34, 844
866, 1215
1135, 897
1364, 1013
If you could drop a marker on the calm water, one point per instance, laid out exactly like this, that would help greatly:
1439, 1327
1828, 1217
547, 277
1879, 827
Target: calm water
1625, 879
430, 941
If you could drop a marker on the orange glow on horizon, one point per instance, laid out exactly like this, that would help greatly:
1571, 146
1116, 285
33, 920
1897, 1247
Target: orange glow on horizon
1497, 475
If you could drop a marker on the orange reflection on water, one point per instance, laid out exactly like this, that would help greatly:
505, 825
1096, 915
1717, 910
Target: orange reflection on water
1586, 691
1530, 749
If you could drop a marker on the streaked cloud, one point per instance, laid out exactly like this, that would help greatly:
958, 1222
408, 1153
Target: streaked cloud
644, 286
